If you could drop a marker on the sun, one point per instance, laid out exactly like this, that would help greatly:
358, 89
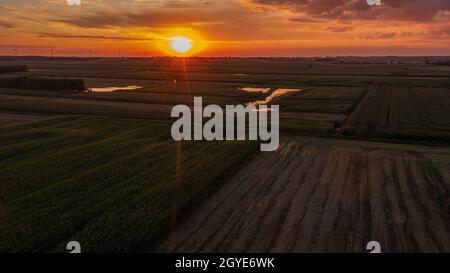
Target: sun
181, 45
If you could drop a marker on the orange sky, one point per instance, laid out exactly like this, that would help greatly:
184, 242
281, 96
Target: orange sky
226, 27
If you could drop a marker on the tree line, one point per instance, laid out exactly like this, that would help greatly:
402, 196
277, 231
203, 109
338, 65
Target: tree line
12, 68
62, 85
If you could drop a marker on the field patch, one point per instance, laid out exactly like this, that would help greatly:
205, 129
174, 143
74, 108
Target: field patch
329, 100
113, 184
402, 112
326, 196
7, 119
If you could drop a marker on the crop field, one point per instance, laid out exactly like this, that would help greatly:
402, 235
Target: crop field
313, 195
166, 82
336, 100
11, 119
364, 156
364, 95
403, 112
113, 184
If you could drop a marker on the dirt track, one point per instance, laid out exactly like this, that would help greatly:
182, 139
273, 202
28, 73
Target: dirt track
316, 197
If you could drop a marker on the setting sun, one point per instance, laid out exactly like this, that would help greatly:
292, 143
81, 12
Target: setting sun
181, 45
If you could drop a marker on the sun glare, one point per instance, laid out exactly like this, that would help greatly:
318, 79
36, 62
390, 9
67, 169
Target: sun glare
181, 45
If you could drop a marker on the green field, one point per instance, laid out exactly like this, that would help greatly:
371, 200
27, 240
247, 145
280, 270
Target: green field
402, 112
113, 184
102, 169
334, 88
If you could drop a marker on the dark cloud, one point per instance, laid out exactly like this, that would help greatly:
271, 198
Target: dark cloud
160, 14
339, 29
150, 18
55, 35
377, 36
402, 10
387, 35
6, 24
305, 20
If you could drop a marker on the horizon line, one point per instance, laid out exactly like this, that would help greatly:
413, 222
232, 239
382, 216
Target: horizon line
225, 56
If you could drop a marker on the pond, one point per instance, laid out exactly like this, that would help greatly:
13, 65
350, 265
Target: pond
255, 89
112, 89
277, 93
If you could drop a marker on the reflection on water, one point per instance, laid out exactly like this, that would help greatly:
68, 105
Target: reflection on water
255, 90
276, 93
112, 89
267, 109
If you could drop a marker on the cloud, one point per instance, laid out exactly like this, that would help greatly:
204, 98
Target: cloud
387, 35
6, 24
440, 32
377, 36
401, 10
339, 29
305, 20
105, 19
172, 13
99, 37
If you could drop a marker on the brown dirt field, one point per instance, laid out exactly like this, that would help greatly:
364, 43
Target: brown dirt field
314, 116
319, 196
